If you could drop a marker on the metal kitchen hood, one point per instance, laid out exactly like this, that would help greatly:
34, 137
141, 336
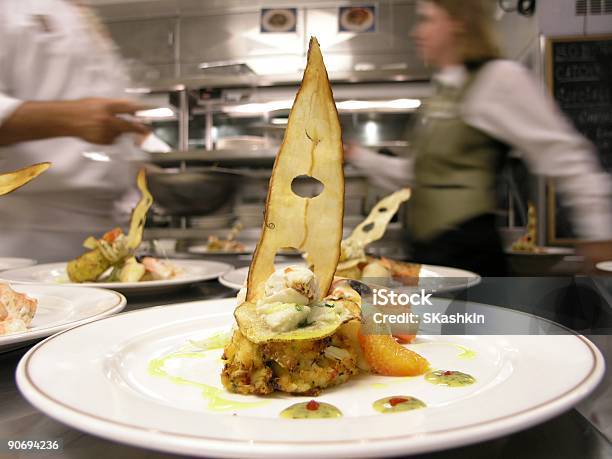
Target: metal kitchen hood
179, 41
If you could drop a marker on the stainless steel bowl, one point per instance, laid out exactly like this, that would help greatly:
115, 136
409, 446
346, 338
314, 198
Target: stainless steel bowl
193, 192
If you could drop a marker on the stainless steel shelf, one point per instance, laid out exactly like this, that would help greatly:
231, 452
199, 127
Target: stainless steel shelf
234, 158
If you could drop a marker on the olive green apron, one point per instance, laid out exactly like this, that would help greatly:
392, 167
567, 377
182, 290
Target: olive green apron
455, 167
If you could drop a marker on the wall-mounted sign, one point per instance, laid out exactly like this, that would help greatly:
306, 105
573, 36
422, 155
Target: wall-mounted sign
357, 19
578, 73
278, 20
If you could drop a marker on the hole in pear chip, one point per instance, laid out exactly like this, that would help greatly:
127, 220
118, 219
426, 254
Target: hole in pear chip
367, 228
306, 186
382, 210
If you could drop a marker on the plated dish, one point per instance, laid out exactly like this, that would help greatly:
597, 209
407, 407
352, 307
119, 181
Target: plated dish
527, 244
544, 251
290, 364
242, 249
111, 258
110, 261
192, 271
30, 312
229, 244
160, 367
353, 262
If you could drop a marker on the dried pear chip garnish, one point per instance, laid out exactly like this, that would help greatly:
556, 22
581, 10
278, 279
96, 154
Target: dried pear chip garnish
139, 214
103, 254
312, 147
13, 180
371, 229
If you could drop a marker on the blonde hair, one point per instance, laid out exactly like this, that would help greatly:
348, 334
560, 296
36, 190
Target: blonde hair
479, 42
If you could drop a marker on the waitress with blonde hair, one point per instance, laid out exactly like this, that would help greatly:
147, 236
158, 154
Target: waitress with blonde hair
482, 107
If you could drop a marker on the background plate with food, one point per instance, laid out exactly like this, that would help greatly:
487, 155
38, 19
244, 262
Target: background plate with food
357, 19
161, 366
15, 263
278, 20
433, 278
187, 272
30, 312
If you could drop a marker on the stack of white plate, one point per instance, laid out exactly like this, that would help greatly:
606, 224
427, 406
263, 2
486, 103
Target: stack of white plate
212, 221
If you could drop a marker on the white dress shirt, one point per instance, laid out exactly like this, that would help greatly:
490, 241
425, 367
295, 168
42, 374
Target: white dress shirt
506, 103
54, 50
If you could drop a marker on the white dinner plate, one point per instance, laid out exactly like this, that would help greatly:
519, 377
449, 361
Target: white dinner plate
604, 266
15, 263
135, 378
193, 271
204, 250
544, 251
438, 278
60, 308
248, 250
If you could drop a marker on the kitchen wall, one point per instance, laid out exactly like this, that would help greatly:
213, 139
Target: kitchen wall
559, 17
172, 38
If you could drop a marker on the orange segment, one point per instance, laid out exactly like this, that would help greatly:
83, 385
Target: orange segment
387, 357
404, 339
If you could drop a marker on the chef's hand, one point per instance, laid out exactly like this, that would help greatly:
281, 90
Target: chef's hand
93, 120
353, 150
96, 120
595, 252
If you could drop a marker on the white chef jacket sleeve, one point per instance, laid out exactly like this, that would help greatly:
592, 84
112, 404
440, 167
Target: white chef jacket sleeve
507, 103
387, 172
8, 104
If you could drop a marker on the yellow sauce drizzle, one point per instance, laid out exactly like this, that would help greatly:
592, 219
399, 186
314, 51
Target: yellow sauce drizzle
465, 354
214, 395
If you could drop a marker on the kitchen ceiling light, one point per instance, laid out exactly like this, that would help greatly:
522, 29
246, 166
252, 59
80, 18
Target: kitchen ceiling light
257, 108
396, 104
156, 113
279, 121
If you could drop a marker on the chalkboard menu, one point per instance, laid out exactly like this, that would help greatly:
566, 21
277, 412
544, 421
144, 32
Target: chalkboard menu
579, 73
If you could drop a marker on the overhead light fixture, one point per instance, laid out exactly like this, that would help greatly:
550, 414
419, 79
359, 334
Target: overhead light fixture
364, 67
259, 108
221, 68
371, 132
138, 90
363, 105
404, 104
156, 113
347, 105
279, 121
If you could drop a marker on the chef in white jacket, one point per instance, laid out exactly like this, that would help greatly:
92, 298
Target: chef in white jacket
61, 100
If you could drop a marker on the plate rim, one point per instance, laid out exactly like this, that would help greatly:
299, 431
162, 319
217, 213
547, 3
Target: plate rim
549, 250
126, 286
13, 338
29, 262
473, 278
604, 265
223, 447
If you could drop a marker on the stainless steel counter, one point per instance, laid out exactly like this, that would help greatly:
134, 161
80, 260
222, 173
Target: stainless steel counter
569, 435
